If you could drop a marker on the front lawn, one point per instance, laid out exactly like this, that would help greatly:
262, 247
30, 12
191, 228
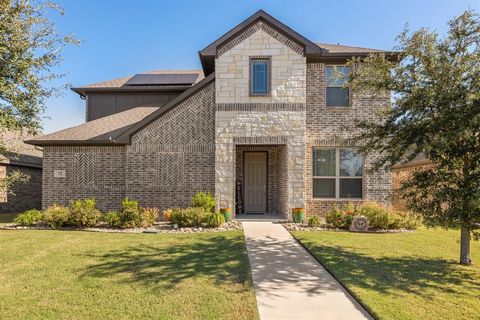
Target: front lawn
402, 276
85, 275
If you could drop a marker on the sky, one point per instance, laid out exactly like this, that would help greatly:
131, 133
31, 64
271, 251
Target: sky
125, 37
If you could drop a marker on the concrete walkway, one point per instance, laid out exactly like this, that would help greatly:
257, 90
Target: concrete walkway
289, 283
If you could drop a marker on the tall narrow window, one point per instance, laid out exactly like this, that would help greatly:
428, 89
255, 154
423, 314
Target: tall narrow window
337, 93
337, 173
259, 76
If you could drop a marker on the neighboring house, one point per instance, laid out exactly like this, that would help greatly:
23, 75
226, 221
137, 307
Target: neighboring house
27, 160
261, 127
402, 171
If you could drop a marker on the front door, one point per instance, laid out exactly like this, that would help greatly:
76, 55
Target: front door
255, 175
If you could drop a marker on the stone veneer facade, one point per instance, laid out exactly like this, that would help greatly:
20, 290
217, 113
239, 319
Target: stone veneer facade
273, 121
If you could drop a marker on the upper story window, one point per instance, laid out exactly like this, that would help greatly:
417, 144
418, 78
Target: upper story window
260, 74
337, 173
336, 78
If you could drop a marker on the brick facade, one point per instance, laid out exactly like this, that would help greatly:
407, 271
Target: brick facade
167, 162
26, 195
330, 127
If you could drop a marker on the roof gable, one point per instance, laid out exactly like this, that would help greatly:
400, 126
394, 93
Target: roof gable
260, 15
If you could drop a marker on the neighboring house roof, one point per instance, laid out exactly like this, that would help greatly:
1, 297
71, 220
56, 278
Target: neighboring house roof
99, 131
119, 84
20, 159
419, 160
19, 153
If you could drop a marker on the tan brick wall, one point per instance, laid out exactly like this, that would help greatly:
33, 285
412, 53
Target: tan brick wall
330, 127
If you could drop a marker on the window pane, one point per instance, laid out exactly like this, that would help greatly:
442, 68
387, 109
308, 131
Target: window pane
337, 97
260, 76
351, 163
350, 188
324, 163
324, 188
337, 76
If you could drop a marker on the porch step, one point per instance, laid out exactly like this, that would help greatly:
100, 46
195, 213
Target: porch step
260, 218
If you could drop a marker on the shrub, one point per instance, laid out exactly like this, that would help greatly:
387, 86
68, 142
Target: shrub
130, 216
148, 216
408, 220
378, 215
189, 217
215, 220
314, 221
167, 214
83, 213
112, 218
339, 219
204, 200
29, 217
56, 216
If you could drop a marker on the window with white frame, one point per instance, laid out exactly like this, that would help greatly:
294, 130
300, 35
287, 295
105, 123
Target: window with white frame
337, 173
337, 94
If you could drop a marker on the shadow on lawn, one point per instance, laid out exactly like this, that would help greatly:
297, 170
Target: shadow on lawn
222, 259
388, 274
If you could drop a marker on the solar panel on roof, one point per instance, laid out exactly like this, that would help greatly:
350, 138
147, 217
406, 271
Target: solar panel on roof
161, 79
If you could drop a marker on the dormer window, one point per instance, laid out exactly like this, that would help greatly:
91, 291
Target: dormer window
337, 94
260, 76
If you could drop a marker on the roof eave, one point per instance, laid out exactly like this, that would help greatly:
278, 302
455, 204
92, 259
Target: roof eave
40, 142
84, 90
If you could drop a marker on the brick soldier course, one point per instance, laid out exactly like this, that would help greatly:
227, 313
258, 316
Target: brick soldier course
163, 152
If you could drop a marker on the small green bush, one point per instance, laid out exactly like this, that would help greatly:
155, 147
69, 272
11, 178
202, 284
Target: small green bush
378, 216
314, 221
130, 216
112, 218
215, 220
204, 200
83, 213
29, 217
339, 219
148, 216
189, 217
56, 216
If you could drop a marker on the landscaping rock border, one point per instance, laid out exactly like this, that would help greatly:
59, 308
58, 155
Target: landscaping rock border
291, 226
159, 227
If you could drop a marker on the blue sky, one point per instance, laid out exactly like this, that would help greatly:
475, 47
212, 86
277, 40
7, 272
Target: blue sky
125, 37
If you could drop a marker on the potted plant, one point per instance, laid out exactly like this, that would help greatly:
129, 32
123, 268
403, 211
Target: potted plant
298, 215
227, 213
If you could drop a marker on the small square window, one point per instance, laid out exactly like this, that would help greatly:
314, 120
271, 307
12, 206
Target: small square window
260, 76
336, 78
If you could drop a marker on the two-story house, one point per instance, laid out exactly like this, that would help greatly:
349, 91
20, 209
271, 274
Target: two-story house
262, 126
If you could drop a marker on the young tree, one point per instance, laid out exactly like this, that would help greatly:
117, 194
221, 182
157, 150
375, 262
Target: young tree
30, 50
435, 111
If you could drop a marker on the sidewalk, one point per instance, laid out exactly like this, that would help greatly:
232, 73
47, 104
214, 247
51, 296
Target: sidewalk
289, 283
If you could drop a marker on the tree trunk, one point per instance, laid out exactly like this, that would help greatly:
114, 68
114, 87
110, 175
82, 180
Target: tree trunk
465, 246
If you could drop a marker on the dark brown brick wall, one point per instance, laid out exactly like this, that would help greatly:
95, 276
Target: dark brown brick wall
27, 195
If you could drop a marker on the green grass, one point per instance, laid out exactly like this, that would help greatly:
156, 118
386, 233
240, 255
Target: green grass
85, 275
7, 217
402, 276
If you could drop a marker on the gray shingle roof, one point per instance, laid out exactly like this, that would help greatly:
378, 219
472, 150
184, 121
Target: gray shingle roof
337, 48
98, 131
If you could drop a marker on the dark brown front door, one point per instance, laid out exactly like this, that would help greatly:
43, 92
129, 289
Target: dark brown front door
255, 182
